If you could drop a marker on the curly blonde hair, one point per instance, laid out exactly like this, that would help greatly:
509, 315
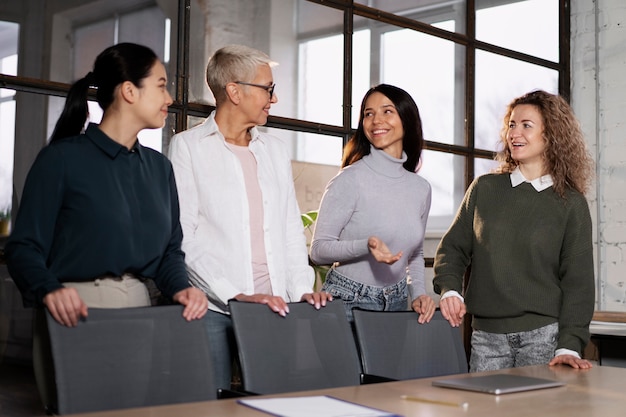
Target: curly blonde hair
566, 155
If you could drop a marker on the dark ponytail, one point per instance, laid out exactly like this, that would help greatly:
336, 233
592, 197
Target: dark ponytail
115, 65
75, 112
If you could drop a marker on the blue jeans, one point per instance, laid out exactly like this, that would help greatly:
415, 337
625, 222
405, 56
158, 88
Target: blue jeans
223, 346
368, 297
493, 351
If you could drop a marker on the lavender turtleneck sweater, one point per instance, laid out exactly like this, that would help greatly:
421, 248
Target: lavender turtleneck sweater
375, 196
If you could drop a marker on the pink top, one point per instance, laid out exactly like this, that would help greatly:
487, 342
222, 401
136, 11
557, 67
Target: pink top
260, 271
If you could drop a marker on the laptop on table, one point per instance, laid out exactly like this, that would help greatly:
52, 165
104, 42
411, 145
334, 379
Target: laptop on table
498, 384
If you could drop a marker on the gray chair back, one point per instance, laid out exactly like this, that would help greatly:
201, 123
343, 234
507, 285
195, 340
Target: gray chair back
308, 349
393, 344
130, 357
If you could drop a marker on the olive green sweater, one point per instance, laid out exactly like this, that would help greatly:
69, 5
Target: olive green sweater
531, 259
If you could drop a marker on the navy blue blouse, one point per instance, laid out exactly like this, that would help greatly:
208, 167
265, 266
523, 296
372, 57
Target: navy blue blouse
91, 208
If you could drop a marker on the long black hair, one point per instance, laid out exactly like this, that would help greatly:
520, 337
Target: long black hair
413, 140
115, 65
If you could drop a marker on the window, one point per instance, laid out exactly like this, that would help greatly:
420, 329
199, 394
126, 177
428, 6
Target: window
462, 65
8, 65
90, 37
430, 64
495, 18
499, 78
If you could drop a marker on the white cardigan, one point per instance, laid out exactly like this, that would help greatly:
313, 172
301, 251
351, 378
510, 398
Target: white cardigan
214, 215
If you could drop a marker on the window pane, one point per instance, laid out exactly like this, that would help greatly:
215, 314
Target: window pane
362, 58
310, 178
425, 11
309, 76
199, 49
96, 30
498, 81
320, 63
484, 166
494, 24
193, 121
320, 81
9, 33
7, 143
313, 18
80, 33
310, 147
431, 72
89, 41
152, 22
318, 149
444, 172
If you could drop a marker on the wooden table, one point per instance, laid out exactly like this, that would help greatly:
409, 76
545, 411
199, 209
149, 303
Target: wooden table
595, 392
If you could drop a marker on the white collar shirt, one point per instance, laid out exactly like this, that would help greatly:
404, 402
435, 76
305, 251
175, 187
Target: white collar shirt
539, 184
216, 222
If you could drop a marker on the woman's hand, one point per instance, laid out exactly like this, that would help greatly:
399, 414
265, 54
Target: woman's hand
275, 303
66, 306
453, 310
572, 361
425, 306
317, 299
195, 302
381, 252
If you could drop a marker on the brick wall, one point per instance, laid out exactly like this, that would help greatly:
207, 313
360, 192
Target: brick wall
599, 99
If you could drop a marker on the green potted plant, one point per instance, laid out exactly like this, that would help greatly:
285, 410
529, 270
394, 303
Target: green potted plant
308, 219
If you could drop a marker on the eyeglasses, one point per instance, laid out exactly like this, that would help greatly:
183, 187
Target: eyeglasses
268, 88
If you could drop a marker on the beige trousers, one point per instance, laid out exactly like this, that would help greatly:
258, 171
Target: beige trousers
114, 292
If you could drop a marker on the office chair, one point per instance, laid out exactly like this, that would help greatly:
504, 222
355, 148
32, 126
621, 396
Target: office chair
130, 357
394, 345
308, 349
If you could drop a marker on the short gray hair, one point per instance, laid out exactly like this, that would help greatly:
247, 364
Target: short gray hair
233, 63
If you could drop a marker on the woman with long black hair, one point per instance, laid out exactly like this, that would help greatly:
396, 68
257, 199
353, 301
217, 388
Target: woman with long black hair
373, 214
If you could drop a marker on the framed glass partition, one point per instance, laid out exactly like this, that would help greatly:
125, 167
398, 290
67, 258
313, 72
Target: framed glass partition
457, 58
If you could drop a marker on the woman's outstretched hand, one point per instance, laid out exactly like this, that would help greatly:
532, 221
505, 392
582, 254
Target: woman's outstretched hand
381, 252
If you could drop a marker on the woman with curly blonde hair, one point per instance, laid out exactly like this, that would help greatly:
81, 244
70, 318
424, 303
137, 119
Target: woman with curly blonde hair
526, 229
566, 157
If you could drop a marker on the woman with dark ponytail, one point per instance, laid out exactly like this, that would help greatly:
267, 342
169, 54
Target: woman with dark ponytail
99, 212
